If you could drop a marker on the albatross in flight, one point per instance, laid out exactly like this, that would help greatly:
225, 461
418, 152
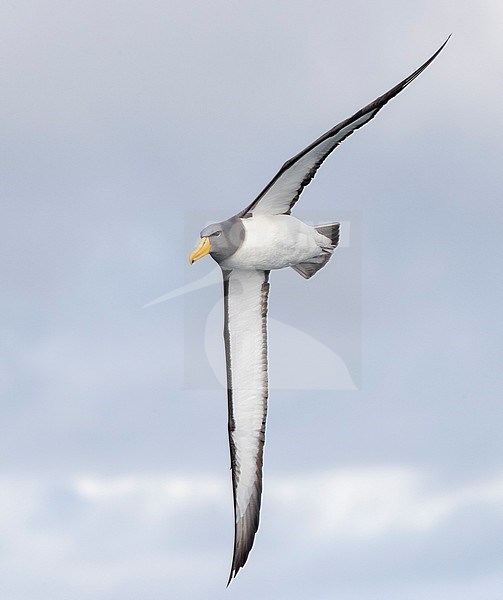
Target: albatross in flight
262, 237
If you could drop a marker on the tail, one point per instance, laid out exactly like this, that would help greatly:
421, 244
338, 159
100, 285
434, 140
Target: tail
330, 231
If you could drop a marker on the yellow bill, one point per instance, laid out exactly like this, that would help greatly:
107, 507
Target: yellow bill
203, 249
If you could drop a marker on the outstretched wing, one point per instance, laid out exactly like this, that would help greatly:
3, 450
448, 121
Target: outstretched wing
245, 334
280, 194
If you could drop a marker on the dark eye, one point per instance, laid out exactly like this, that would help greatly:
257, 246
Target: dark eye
217, 233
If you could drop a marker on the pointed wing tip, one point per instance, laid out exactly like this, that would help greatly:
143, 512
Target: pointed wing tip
285, 206
239, 560
232, 574
235, 567
237, 563
418, 71
442, 46
244, 536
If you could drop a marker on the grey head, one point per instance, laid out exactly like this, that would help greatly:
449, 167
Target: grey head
225, 238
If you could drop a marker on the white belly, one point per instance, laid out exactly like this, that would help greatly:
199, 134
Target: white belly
275, 242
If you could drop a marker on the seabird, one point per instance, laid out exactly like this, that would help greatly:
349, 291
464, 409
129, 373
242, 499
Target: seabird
263, 237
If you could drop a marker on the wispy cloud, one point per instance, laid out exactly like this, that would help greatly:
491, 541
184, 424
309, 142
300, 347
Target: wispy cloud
99, 533
359, 502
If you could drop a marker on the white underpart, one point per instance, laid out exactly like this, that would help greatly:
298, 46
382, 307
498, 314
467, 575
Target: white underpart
289, 350
275, 242
248, 376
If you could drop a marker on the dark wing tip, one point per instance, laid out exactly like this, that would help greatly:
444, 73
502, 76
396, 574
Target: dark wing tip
241, 554
244, 535
245, 529
378, 103
426, 64
370, 109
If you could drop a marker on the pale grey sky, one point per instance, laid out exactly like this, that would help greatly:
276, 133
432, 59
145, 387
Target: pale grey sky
123, 122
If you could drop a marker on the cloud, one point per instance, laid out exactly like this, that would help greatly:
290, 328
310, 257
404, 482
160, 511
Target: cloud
352, 503
123, 115
162, 523
144, 535
375, 502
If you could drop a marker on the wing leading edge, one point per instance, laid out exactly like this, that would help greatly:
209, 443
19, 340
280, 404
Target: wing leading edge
282, 192
245, 334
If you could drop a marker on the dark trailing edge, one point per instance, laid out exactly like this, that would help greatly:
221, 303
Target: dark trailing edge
279, 197
337, 134
245, 526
